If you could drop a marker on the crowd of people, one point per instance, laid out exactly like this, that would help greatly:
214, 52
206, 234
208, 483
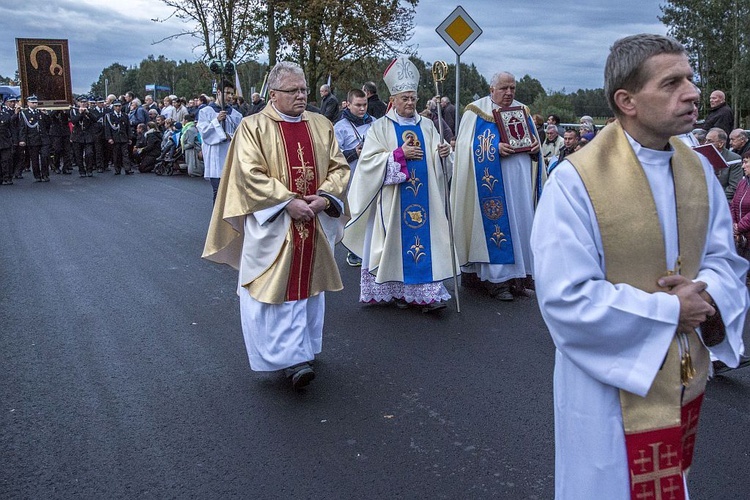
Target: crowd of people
626, 243
98, 135
623, 233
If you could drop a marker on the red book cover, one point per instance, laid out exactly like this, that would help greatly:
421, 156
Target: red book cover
713, 155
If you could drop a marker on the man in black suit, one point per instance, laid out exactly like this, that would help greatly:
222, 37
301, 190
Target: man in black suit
83, 137
329, 105
101, 158
33, 135
6, 144
117, 132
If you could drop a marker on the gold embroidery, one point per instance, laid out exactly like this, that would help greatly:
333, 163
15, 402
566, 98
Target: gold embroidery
302, 230
414, 182
489, 180
306, 174
411, 139
416, 250
415, 216
498, 237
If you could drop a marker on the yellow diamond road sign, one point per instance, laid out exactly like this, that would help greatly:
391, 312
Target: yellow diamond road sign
459, 30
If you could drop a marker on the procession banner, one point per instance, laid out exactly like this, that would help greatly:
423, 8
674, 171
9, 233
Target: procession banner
44, 68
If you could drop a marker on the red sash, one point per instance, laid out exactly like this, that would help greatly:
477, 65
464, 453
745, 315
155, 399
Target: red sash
303, 180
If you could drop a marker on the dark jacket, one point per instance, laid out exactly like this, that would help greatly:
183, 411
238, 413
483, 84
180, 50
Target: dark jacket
375, 107
329, 107
117, 128
6, 130
721, 117
256, 107
34, 127
83, 126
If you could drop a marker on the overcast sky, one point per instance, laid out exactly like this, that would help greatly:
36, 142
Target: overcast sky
562, 44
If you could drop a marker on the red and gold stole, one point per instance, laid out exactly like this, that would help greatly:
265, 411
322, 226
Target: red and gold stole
302, 178
660, 429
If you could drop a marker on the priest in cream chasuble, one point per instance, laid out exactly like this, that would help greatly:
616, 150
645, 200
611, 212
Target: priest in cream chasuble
493, 193
636, 275
399, 225
279, 211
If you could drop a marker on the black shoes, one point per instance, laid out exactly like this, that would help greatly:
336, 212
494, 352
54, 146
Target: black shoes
300, 375
353, 260
501, 292
433, 306
426, 308
128, 172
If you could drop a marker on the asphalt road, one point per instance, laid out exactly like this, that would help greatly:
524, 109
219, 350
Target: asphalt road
124, 373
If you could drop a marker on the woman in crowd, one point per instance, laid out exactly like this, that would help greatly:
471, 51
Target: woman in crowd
151, 147
740, 208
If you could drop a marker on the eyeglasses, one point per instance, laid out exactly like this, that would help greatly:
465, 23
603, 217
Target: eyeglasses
300, 91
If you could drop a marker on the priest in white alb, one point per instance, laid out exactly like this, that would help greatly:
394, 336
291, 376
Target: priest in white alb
636, 275
399, 225
279, 211
217, 123
493, 192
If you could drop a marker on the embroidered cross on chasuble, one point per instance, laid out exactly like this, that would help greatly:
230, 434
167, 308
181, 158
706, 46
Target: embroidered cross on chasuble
302, 179
660, 429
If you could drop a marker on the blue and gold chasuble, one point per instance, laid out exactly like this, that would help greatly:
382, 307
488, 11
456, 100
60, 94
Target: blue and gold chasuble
491, 193
416, 253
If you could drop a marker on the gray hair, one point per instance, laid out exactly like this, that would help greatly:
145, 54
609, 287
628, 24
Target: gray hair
498, 76
626, 61
719, 133
699, 134
281, 71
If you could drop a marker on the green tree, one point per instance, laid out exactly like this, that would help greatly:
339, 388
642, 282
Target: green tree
113, 80
528, 89
717, 37
590, 102
332, 37
555, 103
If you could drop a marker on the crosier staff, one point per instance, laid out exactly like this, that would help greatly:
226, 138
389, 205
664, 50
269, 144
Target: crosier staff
439, 72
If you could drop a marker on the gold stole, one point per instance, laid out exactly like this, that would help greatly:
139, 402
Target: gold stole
660, 429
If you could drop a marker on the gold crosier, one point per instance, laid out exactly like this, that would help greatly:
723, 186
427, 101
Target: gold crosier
439, 73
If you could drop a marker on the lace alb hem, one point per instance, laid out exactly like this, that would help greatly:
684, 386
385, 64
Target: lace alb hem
424, 293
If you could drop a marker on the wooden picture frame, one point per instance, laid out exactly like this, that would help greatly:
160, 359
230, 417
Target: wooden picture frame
513, 124
44, 69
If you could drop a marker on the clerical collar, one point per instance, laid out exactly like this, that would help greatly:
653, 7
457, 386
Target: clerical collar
650, 156
404, 120
287, 118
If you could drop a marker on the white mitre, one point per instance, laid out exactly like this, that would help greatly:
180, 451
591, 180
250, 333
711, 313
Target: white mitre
401, 76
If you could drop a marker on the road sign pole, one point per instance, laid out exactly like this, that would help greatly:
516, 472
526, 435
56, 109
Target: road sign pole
458, 94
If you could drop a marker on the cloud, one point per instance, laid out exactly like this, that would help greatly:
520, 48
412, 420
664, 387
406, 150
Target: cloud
563, 45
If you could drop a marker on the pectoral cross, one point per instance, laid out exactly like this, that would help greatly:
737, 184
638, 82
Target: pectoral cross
306, 173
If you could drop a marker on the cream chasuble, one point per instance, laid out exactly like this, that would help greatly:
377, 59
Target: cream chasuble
612, 335
263, 171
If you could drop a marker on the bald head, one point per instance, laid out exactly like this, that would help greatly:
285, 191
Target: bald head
717, 98
737, 139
